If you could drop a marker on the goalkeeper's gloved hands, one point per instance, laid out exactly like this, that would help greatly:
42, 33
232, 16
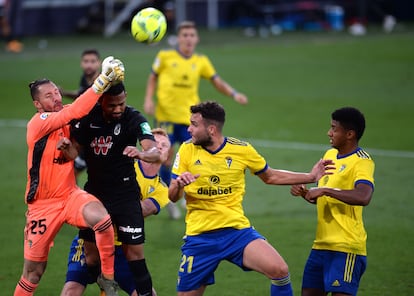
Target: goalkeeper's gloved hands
112, 72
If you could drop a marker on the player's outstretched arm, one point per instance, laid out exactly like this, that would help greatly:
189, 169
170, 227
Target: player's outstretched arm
149, 106
149, 152
284, 177
226, 89
359, 196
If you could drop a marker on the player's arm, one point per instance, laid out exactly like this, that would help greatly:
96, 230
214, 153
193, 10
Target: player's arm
71, 94
283, 177
359, 196
149, 152
149, 106
112, 69
226, 89
148, 207
68, 149
300, 190
176, 188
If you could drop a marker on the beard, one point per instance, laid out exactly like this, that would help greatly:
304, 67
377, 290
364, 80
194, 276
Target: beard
205, 141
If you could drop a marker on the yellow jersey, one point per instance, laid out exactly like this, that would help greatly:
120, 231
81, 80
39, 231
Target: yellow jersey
214, 200
340, 226
178, 83
152, 187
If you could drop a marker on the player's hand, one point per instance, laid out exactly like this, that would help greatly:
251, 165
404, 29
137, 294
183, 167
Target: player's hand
186, 178
313, 194
240, 98
113, 71
132, 151
321, 168
298, 190
149, 107
63, 143
118, 71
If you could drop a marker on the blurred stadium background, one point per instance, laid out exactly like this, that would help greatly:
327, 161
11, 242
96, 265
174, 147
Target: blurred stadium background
108, 16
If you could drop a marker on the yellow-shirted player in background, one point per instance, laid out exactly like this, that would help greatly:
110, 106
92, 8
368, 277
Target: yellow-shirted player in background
338, 256
210, 169
175, 78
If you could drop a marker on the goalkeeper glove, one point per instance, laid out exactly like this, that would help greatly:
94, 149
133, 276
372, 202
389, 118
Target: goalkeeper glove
112, 70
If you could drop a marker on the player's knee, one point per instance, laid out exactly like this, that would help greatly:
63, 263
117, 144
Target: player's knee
278, 270
94, 212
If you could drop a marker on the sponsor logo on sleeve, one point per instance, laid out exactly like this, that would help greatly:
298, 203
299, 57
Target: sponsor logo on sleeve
145, 128
44, 116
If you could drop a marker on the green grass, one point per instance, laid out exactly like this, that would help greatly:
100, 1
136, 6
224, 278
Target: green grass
294, 81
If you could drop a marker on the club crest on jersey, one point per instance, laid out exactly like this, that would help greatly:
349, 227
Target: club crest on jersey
117, 129
342, 168
229, 160
101, 145
324, 180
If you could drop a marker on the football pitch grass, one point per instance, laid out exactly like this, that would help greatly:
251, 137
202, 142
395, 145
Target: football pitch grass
294, 81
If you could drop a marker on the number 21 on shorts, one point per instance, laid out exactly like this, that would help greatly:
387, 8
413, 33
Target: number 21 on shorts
186, 264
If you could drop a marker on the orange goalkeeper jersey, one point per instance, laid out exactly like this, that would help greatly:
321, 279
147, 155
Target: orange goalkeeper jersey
50, 174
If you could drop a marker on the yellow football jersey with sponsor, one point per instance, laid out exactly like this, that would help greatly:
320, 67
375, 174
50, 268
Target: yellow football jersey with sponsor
340, 226
214, 200
178, 83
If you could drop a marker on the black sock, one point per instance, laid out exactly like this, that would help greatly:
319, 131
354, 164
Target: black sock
142, 277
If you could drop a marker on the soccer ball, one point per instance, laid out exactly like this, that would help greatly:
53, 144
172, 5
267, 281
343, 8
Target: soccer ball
148, 25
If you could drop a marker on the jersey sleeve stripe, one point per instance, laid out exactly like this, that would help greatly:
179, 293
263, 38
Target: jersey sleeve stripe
34, 171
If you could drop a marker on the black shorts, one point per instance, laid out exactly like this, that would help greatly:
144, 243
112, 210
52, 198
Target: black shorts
124, 206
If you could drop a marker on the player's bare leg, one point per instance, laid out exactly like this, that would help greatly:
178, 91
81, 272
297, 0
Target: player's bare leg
198, 292
260, 256
32, 273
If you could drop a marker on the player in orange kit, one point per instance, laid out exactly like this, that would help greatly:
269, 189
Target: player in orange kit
51, 195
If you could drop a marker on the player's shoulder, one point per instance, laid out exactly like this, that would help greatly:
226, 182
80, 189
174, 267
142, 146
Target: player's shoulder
188, 142
94, 114
132, 113
236, 142
362, 154
167, 52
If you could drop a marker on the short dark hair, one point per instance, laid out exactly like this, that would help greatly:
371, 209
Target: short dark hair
115, 89
34, 86
186, 25
91, 51
350, 118
211, 112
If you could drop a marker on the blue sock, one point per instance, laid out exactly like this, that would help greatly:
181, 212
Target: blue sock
281, 287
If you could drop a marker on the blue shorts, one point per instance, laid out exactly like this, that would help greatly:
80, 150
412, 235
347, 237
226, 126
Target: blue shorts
333, 271
201, 255
78, 271
177, 133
